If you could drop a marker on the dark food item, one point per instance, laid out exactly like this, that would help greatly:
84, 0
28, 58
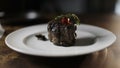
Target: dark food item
41, 37
61, 30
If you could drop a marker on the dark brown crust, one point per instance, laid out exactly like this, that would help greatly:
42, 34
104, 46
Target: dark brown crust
64, 35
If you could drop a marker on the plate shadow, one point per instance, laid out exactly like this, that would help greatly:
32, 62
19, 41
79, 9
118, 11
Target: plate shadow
85, 41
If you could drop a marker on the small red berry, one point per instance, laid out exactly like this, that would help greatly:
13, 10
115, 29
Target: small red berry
65, 20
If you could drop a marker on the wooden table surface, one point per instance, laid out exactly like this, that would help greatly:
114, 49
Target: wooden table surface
107, 58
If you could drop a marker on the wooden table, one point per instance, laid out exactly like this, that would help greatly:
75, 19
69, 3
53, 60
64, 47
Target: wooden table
107, 58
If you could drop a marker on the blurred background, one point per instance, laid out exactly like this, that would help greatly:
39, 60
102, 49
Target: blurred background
41, 11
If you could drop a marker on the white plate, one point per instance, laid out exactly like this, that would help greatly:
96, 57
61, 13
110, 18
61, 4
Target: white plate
89, 39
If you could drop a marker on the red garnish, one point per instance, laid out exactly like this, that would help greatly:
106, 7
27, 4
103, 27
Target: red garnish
65, 20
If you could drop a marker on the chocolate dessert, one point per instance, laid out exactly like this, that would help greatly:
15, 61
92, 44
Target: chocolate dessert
61, 30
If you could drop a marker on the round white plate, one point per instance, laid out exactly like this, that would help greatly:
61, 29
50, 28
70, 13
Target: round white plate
89, 39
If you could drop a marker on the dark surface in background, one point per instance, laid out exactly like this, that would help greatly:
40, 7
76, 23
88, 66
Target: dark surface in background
101, 6
15, 10
18, 6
